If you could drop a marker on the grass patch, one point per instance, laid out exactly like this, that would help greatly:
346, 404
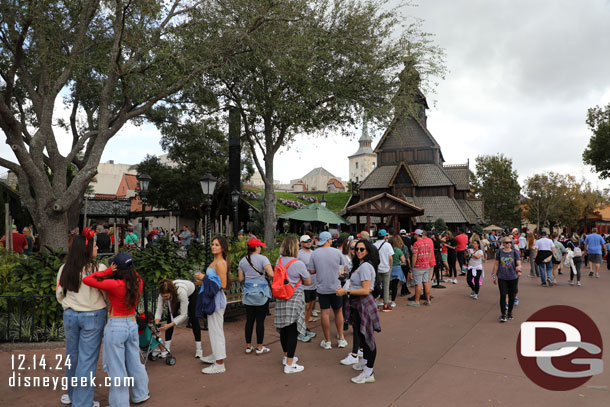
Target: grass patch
334, 201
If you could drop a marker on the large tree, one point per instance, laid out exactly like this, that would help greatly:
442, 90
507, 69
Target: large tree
496, 182
553, 199
597, 152
317, 73
110, 61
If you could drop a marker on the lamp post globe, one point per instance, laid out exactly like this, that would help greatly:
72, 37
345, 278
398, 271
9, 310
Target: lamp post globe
208, 184
144, 180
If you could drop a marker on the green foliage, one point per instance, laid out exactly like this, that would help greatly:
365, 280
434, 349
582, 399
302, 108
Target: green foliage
597, 152
496, 182
557, 199
440, 225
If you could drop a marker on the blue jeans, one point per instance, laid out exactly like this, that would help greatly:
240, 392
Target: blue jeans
83, 332
549, 271
122, 359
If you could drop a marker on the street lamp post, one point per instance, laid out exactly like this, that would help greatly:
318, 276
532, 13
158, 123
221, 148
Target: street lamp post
115, 209
208, 183
250, 214
144, 180
235, 201
429, 217
323, 201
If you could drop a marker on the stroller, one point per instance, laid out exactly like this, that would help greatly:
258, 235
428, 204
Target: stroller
150, 341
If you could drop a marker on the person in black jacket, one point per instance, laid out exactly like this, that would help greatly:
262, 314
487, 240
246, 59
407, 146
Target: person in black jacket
102, 240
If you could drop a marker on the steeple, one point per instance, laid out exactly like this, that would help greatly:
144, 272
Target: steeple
365, 140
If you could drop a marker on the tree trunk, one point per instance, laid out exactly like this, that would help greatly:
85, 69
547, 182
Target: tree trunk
53, 231
269, 219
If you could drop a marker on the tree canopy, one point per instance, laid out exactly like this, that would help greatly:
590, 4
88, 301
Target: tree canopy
108, 62
315, 72
597, 153
553, 199
496, 182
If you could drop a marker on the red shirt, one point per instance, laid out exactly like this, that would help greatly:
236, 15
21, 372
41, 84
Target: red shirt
423, 249
115, 290
20, 243
462, 242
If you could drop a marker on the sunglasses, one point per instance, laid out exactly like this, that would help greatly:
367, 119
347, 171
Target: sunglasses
352, 248
306, 241
506, 243
360, 249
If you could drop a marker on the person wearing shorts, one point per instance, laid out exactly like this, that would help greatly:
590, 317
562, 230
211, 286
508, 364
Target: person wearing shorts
327, 263
594, 247
422, 253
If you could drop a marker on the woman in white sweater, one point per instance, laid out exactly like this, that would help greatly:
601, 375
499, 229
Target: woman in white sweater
181, 298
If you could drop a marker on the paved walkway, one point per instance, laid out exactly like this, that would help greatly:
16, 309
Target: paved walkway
453, 353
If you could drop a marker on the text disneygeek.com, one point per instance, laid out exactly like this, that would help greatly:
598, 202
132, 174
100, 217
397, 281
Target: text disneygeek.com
19, 380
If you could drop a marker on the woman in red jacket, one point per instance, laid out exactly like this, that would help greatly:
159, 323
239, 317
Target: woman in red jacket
121, 355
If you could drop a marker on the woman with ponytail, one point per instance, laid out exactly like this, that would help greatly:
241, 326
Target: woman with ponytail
121, 356
84, 318
217, 273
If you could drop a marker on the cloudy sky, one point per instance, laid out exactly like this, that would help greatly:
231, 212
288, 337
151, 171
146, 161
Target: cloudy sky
522, 74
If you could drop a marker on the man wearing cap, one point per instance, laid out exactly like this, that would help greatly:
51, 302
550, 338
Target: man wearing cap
310, 290
422, 255
326, 263
386, 253
543, 252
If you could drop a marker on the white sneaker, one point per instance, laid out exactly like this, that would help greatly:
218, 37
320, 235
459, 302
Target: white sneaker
380, 303
294, 368
199, 354
213, 369
578, 284
360, 354
454, 282
96, 403
326, 345
360, 365
294, 360
393, 304
341, 343
263, 350
472, 293
363, 378
315, 313
163, 354
349, 360
476, 296
208, 359
65, 399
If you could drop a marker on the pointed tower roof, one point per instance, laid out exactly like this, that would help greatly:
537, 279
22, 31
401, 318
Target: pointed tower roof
365, 140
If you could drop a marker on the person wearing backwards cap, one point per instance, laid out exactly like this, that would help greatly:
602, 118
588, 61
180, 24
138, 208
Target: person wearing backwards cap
252, 268
386, 254
327, 263
121, 356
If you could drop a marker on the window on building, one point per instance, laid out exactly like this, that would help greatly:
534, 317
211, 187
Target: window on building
356, 164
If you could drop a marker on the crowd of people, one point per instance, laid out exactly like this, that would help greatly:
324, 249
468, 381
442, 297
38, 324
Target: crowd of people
352, 276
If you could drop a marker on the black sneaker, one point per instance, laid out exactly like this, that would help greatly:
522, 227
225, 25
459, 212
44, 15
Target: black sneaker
510, 317
503, 318
590, 274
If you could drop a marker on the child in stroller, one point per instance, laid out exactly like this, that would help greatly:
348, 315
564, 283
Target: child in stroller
150, 342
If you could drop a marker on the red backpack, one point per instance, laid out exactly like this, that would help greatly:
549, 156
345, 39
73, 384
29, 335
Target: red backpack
281, 287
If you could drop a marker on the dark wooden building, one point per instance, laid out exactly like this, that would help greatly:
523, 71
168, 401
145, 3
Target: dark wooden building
411, 168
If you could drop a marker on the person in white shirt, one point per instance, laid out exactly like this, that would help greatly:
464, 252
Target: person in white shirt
475, 268
386, 252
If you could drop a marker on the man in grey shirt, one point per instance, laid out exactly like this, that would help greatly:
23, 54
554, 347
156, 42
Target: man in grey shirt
326, 263
185, 236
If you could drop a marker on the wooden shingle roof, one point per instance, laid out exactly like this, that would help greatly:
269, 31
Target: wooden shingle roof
429, 175
460, 175
379, 178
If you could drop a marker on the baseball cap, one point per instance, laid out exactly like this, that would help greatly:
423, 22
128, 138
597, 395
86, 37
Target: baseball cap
254, 242
323, 238
382, 233
419, 232
543, 233
403, 232
122, 260
305, 239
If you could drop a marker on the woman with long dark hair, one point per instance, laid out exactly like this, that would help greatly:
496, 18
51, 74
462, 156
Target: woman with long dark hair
181, 298
363, 313
451, 245
252, 268
121, 356
84, 319
218, 270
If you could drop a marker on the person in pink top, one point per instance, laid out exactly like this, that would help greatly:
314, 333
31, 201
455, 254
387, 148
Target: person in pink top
423, 252
461, 244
